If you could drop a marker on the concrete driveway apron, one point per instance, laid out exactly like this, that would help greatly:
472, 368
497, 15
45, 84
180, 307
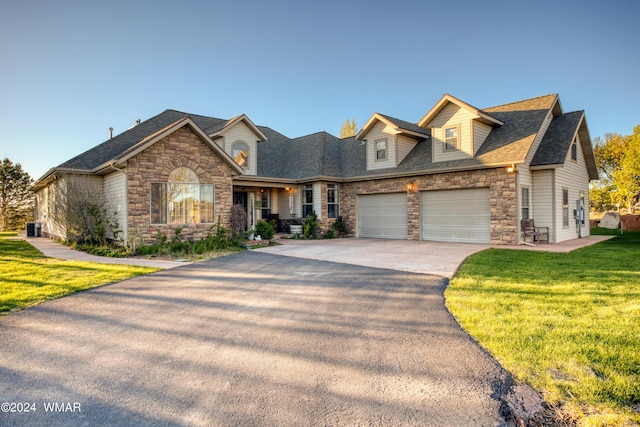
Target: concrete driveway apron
249, 339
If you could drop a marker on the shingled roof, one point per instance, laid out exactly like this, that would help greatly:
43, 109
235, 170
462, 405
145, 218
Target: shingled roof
324, 155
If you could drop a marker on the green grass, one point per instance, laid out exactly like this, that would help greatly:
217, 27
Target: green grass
567, 324
27, 277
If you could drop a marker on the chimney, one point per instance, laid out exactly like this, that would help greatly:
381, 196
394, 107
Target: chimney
110, 133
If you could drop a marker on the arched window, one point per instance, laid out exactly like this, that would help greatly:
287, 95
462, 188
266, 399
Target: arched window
181, 200
240, 153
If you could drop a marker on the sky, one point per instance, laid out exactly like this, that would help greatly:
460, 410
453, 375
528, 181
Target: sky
70, 70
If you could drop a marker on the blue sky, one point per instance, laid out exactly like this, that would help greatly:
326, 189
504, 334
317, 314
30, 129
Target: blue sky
72, 69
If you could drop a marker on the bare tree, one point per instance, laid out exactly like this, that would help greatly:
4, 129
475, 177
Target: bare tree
82, 209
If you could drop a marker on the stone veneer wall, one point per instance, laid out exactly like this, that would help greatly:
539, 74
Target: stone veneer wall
502, 198
181, 148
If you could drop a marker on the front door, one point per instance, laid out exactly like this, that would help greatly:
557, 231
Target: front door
240, 198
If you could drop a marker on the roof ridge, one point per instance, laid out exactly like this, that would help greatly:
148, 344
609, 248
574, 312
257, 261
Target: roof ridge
518, 102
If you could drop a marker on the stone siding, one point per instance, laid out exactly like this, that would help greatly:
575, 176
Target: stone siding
502, 187
182, 148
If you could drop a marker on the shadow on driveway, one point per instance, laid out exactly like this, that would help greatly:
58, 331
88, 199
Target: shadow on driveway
251, 339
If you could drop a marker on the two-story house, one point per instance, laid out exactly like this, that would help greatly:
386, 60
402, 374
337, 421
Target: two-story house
458, 174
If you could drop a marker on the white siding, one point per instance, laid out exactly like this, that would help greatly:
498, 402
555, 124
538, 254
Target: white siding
525, 179
452, 115
115, 193
544, 201
241, 132
573, 176
317, 199
378, 132
480, 134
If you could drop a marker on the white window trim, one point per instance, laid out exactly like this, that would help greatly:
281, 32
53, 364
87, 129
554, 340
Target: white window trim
233, 148
445, 139
375, 150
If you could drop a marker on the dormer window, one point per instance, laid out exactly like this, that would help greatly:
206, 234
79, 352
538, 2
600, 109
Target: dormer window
451, 138
240, 153
381, 149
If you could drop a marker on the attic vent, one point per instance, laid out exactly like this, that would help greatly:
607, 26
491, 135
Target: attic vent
137, 123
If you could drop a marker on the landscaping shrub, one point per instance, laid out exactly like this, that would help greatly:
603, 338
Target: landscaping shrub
340, 226
265, 229
310, 228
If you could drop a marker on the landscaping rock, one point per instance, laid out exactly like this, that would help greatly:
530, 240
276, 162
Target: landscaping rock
610, 220
525, 405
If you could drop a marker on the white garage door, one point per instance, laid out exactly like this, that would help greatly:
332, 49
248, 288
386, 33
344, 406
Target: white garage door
383, 216
456, 215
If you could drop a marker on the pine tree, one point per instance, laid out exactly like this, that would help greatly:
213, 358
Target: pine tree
16, 201
348, 128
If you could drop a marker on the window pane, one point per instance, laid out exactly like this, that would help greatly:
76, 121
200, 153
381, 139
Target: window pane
183, 203
158, 203
206, 204
241, 153
183, 174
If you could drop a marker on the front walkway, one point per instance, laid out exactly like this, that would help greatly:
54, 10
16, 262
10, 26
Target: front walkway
53, 249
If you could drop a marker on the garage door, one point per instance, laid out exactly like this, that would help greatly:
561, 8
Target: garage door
383, 216
456, 215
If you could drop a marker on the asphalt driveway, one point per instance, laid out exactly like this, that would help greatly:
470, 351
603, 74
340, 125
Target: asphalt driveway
249, 339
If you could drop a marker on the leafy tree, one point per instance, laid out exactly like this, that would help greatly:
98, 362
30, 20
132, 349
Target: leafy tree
349, 128
16, 201
618, 161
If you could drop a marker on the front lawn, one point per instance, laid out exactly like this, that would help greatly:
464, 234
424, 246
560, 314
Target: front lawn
566, 324
27, 277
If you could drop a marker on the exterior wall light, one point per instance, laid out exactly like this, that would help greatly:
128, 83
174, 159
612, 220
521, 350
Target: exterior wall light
411, 186
511, 169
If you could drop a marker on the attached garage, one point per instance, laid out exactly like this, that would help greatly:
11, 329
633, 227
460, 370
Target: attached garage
456, 215
383, 216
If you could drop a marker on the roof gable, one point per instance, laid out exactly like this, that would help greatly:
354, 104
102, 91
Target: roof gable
523, 121
399, 126
555, 145
163, 133
221, 128
448, 99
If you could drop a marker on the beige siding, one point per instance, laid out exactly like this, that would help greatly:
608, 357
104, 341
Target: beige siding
405, 145
452, 115
47, 210
115, 193
284, 199
378, 132
241, 132
480, 134
573, 176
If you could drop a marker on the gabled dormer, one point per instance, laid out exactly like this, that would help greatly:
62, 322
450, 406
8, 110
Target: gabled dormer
457, 128
388, 140
239, 137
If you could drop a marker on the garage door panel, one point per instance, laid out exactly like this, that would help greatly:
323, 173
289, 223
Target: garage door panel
456, 215
382, 216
